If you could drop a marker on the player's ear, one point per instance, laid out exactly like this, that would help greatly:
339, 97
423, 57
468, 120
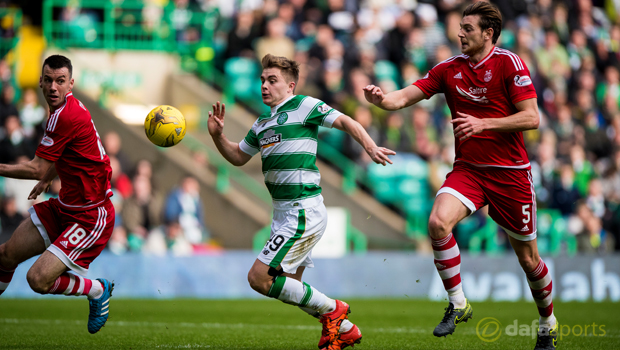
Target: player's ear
291, 86
41, 82
489, 34
71, 84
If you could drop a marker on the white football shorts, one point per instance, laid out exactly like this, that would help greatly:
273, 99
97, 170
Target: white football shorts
293, 235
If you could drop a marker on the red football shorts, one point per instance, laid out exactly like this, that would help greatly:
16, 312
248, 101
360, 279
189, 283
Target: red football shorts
508, 192
75, 237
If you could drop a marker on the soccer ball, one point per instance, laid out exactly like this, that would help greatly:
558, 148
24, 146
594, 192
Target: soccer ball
165, 126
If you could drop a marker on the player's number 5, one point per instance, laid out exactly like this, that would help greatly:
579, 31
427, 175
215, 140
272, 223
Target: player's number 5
526, 213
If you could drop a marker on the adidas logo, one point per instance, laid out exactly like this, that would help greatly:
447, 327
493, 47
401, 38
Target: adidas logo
440, 266
458, 76
524, 229
64, 244
543, 294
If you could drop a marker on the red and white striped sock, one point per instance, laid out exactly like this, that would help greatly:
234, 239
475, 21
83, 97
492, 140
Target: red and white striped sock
70, 284
5, 278
541, 287
448, 264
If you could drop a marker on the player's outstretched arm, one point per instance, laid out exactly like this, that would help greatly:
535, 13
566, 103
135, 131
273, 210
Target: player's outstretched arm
229, 150
44, 183
379, 155
32, 170
526, 118
394, 100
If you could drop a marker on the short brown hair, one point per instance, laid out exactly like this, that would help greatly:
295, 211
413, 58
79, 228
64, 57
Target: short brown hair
490, 17
289, 68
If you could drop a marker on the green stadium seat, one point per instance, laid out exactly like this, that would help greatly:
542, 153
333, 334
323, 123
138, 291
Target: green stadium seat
242, 78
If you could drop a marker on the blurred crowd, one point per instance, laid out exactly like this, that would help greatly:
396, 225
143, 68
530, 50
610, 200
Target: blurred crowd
572, 49
147, 221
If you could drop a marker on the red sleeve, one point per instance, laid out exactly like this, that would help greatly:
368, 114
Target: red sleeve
432, 82
518, 79
59, 131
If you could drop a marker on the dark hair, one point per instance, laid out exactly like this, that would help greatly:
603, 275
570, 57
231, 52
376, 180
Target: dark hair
289, 68
490, 17
57, 62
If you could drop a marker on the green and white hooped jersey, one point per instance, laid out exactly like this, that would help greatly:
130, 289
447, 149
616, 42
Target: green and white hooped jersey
287, 139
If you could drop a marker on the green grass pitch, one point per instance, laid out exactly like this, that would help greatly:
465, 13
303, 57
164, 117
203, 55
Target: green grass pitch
57, 323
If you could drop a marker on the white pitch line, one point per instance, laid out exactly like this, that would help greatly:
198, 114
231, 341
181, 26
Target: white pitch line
401, 330
205, 325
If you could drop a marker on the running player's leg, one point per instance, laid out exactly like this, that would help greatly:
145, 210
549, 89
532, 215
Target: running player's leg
49, 275
273, 283
539, 279
24, 243
512, 204
349, 332
73, 241
447, 211
459, 196
275, 272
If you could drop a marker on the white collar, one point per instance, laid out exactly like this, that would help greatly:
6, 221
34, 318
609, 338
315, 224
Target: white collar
274, 110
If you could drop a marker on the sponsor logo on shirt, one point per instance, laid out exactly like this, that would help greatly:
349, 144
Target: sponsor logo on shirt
47, 141
473, 91
64, 244
522, 80
488, 76
269, 139
324, 108
458, 76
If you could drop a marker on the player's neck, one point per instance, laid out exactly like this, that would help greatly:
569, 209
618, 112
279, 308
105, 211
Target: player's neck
480, 55
54, 109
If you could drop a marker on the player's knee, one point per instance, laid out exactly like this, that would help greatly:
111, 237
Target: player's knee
38, 282
7, 259
528, 262
438, 227
259, 283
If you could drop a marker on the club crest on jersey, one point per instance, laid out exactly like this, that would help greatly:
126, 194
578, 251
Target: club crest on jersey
488, 76
282, 118
269, 139
47, 141
324, 108
522, 80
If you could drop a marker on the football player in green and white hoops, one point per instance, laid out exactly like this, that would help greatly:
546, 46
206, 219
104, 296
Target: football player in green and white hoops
286, 138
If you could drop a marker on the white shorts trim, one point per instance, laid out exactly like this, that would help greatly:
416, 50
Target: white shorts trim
469, 204
518, 237
65, 260
39, 225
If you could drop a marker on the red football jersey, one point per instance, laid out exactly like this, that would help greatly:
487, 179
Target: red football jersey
72, 142
488, 89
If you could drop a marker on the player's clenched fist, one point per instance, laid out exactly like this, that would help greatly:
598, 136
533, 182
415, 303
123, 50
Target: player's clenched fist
216, 119
373, 94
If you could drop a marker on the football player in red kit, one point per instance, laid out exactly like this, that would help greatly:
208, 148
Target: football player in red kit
492, 100
71, 231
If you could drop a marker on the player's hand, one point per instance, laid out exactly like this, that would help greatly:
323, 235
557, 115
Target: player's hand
380, 155
216, 119
467, 125
39, 188
373, 94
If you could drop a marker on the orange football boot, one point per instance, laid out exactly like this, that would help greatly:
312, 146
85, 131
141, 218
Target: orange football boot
344, 340
331, 323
